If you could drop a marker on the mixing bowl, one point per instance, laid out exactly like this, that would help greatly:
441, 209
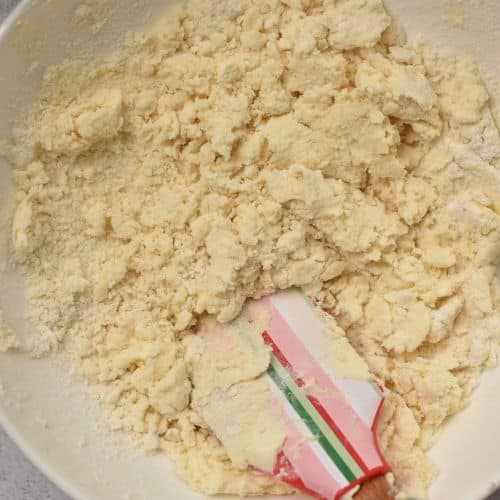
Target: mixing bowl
45, 409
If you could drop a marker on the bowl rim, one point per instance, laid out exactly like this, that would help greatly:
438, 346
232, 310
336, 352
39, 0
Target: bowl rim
28, 450
7, 25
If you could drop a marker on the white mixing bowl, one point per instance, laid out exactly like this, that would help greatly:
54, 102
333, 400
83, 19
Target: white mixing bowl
47, 412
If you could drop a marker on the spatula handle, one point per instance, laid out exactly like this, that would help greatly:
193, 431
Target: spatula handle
376, 489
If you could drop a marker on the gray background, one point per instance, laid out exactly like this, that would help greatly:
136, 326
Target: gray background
19, 480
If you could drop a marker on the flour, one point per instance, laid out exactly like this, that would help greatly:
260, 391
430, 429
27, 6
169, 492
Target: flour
244, 147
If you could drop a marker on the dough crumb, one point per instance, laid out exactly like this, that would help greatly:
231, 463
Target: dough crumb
8, 340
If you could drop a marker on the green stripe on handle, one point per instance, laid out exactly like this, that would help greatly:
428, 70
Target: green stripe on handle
313, 420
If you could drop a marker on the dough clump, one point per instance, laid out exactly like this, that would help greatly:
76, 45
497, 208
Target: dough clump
246, 146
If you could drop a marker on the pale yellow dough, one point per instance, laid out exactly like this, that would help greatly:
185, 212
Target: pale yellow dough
246, 146
231, 393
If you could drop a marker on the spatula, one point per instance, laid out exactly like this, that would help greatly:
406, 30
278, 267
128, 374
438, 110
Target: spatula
329, 403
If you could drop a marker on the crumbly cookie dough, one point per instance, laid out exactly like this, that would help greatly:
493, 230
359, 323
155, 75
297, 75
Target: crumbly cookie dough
246, 146
231, 393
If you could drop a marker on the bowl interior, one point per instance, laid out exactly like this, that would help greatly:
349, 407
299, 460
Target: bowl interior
46, 409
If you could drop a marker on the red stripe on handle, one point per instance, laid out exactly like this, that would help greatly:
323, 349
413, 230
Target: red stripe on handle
285, 472
317, 405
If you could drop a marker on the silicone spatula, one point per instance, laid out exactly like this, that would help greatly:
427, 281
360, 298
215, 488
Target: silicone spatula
330, 415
